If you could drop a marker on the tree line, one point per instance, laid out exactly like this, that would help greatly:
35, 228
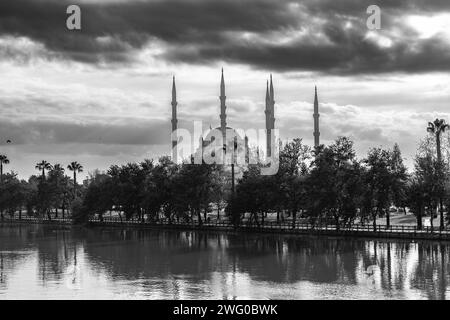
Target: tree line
40, 195
322, 185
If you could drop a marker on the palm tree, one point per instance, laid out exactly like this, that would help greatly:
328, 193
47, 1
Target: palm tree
437, 127
58, 168
42, 166
75, 167
3, 160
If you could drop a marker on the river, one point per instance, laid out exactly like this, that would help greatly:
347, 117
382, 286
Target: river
51, 262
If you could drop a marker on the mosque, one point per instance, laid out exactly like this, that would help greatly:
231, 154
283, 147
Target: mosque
233, 142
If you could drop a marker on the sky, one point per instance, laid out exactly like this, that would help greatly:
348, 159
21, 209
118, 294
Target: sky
101, 95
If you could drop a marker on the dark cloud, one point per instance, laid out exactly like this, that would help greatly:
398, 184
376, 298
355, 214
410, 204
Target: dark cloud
130, 25
205, 31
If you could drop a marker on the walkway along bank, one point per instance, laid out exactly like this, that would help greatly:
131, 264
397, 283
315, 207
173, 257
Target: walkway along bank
355, 231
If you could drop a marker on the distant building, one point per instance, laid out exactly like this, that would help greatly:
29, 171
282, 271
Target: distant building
232, 140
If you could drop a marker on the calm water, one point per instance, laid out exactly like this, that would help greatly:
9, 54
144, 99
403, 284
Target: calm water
42, 262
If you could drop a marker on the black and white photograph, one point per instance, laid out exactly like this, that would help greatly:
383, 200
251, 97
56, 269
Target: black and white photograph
248, 153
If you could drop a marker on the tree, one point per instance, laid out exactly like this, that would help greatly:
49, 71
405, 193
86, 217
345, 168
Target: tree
3, 160
12, 194
159, 190
97, 199
385, 178
250, 196
220, 189
288, 185
193, 188
437, 128
58, 168
416, 198
59, 186
45, 197
32, 194
75, 167
333, 186
79, 212
234, 210
399, 178
42, 166
128, 183
428, 173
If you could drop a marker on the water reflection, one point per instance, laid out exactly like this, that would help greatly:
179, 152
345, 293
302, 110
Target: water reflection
52, 262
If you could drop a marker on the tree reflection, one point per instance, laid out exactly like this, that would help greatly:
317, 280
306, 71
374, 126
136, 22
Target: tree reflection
180, 264
430, 275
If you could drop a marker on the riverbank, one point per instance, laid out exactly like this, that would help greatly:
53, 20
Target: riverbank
355, 231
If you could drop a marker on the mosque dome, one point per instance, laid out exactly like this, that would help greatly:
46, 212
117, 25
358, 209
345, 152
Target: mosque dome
231, 135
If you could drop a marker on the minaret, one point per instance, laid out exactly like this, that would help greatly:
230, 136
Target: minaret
247, 151
223, 107
267, 96
174, 118
271, 92
272, 104
316, 120
270, 116
267, 112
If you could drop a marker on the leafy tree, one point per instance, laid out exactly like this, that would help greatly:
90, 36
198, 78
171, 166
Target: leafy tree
193, 189
378, 179
79, 212
399, 178
32, 195
97, 200
427, 183
58, 183
128, 182
234, 210
416, 194
220, 189
250, 196
158, 188
333, 186
288, 185
3, 160
45, 197
12, 194
385, 182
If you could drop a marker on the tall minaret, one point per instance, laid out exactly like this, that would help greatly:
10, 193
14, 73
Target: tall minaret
223, 107
247, 151
270, 116
316, 120
174, 118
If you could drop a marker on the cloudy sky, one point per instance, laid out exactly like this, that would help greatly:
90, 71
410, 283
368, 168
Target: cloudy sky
102, 95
